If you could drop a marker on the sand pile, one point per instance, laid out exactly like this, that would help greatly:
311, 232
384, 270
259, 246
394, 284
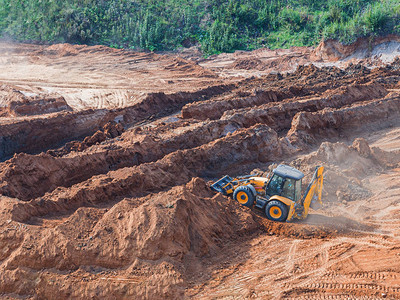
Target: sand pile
147, 236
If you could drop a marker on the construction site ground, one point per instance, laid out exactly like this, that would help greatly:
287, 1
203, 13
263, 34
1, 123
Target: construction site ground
107, 156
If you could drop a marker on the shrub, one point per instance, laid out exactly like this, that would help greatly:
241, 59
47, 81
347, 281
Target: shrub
219, 25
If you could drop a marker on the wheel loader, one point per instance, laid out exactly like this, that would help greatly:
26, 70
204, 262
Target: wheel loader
279, 195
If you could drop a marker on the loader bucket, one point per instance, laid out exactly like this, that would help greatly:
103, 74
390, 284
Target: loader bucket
219, 185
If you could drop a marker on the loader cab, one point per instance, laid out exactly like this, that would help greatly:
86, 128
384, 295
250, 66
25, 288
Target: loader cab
285, 182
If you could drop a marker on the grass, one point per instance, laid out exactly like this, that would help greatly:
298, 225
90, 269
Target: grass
217, 25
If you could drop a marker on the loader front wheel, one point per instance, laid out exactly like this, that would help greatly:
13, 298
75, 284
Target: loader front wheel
244, 196
276, 211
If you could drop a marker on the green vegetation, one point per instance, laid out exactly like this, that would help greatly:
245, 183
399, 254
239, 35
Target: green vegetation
218, 25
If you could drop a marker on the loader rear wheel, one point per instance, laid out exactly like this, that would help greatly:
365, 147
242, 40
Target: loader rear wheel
244, 196
276, 211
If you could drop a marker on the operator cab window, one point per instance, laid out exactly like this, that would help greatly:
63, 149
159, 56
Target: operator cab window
298, 190
275, 186
289, 189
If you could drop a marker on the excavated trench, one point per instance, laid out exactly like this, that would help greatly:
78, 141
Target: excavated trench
161, 163
258, 143
279, 117
129, 206
145, 147
308, 127
47, 173
40, 133
306, 81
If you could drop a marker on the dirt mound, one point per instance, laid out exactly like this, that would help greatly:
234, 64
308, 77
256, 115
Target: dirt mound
259, 143
109, 131
279, 116
307, 127
316, 226
64, 49
37, 107
248, 64
192, 53
289, 62
395, 65
306, 70
17, 103
9, 94
133, 148
345, 168
215, 109
42, 133
189, 67
305, 82
357, 69
138, 239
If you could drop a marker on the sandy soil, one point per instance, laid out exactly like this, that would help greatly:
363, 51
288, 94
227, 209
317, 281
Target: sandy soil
360, 263
97, 77
107, 156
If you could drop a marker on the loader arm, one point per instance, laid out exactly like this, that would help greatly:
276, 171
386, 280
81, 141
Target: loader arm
227, 185
313, 192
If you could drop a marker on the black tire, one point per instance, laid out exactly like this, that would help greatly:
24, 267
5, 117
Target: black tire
276, 211
244, 196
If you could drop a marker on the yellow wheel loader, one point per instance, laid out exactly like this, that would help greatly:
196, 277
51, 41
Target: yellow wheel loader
279, 195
